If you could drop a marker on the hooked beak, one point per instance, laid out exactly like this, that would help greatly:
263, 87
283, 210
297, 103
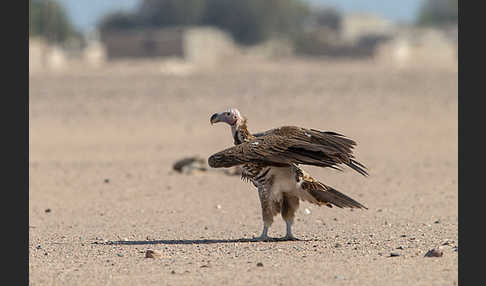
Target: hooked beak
214, 118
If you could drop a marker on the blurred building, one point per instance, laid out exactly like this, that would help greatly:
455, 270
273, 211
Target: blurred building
417, 46
354, 36
355, 26
195, 44
48, 56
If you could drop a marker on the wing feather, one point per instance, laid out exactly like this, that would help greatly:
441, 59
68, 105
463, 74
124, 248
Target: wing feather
291, 145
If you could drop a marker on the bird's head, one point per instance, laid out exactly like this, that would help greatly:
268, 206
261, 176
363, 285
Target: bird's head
232, 117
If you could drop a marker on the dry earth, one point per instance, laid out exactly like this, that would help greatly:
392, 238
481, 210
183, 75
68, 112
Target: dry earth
102, 192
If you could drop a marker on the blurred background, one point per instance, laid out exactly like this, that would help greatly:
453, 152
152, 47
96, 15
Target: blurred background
195, 33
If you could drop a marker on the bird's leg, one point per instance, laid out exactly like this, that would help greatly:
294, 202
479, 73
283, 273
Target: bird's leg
264, 235
289, 235
267, 213
289, 207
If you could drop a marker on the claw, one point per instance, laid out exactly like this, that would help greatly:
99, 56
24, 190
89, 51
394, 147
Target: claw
290, 238
264, 238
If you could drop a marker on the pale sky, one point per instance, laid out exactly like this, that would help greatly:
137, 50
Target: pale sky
86, 13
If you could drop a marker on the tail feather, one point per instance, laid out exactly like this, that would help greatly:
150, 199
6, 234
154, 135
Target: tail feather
329, 196
358, 167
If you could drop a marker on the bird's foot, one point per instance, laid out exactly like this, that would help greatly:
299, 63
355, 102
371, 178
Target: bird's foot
264, 238
290, 238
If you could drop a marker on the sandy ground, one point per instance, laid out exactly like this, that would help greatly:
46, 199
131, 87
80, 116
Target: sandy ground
102, 192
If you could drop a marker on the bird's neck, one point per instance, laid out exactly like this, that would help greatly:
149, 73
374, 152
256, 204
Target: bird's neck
240, 132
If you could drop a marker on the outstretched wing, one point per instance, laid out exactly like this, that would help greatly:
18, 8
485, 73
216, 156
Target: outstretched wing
291, 145
334, 142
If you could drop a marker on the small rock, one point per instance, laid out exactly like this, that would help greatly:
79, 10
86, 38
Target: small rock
119, 255
38, 246
337, 245
437, 221
434, 253
259, 264
218, 207
107, 181
307, 211
394, 254
47, 210
152, 254
400, 247
447, 242
172, 272
204, 266
339, 277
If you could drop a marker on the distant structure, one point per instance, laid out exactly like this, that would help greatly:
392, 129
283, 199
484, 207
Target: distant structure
355, 26
195, 44
43, 56
353, 36
417, 46
144, 43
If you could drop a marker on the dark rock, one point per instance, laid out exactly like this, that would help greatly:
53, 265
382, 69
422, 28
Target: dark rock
259, 264
435, 252
152, 254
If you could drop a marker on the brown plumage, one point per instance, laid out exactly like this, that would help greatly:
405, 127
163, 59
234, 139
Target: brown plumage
270, 161
289, 144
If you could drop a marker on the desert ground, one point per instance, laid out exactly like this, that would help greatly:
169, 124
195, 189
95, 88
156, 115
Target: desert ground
102, 189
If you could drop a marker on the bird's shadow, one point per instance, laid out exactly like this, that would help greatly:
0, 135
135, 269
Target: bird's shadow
194, 241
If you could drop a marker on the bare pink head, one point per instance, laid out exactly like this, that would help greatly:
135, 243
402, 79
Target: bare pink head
232, 117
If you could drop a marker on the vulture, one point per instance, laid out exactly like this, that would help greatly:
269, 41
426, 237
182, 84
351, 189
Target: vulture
271, 161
